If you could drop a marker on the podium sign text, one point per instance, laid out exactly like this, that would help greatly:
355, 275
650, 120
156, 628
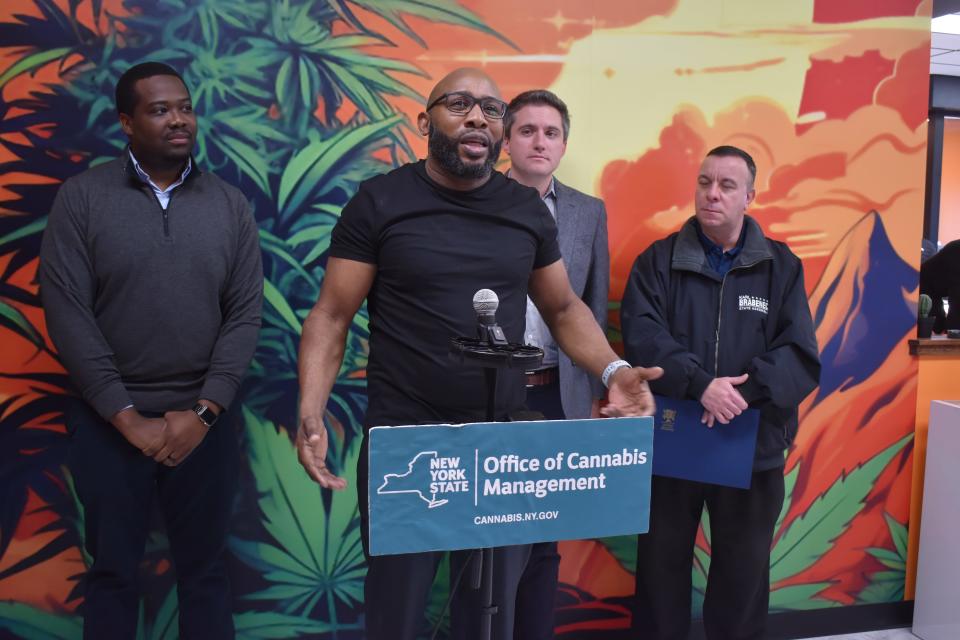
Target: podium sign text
444, 487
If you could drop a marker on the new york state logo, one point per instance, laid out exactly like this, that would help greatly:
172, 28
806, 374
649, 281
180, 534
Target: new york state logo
428, 475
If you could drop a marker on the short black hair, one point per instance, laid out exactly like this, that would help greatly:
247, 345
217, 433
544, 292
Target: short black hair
538, 97
729, 151
126, 94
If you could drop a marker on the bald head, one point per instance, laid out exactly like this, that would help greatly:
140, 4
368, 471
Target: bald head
468, 79
464, 133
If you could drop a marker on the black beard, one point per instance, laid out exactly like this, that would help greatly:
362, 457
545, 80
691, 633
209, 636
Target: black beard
445, 150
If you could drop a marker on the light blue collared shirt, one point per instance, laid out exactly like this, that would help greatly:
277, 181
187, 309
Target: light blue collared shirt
537, 333
163, 195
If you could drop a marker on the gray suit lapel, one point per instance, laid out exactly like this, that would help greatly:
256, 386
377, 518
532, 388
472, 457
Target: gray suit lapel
569, 223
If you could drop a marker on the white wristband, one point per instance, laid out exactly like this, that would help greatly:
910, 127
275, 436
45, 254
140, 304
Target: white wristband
613, 366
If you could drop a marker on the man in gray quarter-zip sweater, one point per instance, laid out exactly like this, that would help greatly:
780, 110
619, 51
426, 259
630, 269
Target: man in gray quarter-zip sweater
152, 285
723, 310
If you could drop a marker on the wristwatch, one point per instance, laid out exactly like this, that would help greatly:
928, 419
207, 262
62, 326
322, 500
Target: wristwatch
206, 414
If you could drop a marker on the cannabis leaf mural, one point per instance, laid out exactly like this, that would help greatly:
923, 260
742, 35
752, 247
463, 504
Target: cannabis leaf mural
804, 540
313, 559
301, 100
296, 109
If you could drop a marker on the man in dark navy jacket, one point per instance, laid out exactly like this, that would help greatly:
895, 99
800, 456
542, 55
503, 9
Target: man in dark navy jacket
723, 310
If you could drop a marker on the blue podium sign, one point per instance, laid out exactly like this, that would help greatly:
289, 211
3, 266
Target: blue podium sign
492, 484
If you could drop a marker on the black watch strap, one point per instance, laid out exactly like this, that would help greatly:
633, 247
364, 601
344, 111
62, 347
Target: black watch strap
206, 414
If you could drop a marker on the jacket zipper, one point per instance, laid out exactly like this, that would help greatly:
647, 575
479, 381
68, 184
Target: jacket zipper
148, 190
716, 342
716, 347
163, 212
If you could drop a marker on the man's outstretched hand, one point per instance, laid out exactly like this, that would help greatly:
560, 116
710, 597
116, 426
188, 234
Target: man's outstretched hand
629, 394
312, 453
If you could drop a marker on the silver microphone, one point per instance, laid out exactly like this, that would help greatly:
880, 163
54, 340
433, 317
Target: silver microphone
485, 304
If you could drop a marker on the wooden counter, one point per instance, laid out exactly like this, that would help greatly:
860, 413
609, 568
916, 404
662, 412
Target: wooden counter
928, 346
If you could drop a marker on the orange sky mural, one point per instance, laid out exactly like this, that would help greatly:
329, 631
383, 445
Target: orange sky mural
829, 98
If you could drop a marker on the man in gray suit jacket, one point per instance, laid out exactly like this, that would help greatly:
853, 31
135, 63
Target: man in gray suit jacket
536, 128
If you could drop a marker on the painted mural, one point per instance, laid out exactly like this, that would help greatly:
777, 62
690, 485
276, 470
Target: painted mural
300, 100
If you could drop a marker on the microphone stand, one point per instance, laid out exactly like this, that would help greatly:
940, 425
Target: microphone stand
492, 352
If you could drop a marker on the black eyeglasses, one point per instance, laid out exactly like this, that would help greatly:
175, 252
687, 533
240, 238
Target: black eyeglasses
461, 104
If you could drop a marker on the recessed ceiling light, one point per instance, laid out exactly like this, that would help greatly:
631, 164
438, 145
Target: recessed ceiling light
949, 23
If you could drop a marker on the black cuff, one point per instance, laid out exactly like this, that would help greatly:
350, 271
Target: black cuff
699, 383
752, 391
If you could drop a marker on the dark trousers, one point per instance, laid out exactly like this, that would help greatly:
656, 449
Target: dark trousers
738, 584
524, 586
537, 590
117, 486
537, 593
397, 587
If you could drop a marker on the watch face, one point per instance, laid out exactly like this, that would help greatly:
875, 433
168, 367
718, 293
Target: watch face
206, 414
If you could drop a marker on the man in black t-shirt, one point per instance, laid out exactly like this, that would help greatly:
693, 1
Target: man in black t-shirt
418, 242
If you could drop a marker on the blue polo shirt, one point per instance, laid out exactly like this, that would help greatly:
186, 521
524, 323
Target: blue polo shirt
720, 260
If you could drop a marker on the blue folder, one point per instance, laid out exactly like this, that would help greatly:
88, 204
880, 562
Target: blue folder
685, 448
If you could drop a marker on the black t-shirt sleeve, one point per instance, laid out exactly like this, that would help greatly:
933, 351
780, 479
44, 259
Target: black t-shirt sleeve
548, 249
355, 235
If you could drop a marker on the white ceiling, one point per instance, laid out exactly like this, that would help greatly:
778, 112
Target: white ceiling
945, 54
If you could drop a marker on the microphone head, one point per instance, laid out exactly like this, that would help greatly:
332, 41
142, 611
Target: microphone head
485, 302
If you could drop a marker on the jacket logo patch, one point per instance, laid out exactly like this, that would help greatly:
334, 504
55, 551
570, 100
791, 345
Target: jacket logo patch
753, 303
